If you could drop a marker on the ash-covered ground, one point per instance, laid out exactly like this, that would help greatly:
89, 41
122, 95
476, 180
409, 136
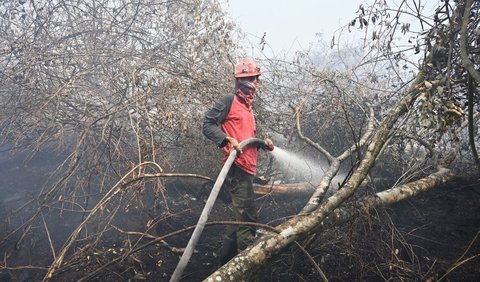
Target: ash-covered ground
425, 238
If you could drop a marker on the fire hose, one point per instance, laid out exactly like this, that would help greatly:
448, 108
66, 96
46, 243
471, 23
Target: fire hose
208, 207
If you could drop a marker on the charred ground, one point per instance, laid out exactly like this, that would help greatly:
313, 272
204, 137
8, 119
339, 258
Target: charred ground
419, 239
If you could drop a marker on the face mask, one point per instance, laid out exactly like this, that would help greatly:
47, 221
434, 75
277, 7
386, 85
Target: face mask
245, 90
246, 84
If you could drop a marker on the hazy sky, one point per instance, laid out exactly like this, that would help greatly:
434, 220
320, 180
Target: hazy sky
290, 25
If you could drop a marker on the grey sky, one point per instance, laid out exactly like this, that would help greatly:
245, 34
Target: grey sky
293, 25
290, 25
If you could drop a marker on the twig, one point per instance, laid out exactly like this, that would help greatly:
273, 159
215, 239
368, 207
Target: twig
317, 267
108, 196
172, 174
146, 235
32, 267
459, 261
48, 236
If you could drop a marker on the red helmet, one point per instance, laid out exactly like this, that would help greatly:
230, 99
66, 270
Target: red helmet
246, 67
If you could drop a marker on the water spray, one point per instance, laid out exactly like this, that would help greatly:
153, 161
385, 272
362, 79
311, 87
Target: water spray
301, 166
206, 210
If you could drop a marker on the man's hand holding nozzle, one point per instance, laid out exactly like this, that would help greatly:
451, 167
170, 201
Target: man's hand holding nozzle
269, 144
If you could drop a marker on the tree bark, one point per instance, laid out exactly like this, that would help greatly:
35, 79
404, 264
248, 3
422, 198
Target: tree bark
468, 64
335, 162
291, 188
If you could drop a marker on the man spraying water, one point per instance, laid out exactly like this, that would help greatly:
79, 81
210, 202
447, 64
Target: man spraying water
229, 122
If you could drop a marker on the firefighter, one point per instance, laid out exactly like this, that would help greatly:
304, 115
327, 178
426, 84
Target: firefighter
229, 122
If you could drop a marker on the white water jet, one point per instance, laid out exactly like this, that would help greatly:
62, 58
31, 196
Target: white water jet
298, 166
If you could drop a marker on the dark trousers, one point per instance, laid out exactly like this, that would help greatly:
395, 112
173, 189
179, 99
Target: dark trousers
240, 185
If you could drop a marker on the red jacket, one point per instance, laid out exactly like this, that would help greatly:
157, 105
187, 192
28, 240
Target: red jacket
232, 116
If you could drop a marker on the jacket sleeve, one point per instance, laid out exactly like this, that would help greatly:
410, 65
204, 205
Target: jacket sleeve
214, 118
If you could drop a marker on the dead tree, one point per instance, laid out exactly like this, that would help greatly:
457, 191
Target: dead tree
115, 88
120, 87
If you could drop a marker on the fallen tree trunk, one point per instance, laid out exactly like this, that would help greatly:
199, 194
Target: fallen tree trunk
246, 264
290, 188
389, 196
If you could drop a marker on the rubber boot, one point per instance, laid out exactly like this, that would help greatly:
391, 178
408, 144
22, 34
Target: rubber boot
228, 250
